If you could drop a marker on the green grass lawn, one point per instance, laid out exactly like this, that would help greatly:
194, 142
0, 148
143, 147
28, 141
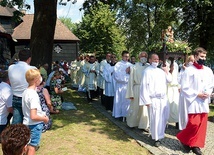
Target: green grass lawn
85, 131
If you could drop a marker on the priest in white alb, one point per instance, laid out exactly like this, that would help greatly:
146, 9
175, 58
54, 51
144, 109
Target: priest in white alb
183, 110
81, 75
109, 92
101, 81
153, 93
121, 77
137, 115
91, 71
173, 91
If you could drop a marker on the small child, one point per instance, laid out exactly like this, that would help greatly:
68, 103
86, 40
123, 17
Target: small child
32, 111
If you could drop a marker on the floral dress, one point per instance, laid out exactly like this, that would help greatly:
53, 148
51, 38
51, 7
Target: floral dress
55, 98
45, 109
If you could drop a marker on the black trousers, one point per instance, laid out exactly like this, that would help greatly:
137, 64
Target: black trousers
90, 95
109, 101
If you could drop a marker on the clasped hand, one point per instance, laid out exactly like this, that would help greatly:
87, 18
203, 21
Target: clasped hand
92, 71
203, 96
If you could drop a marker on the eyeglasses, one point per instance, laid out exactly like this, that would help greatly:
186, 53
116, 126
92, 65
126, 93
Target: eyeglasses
113, 57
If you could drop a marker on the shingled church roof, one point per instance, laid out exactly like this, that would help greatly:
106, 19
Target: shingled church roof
6, 11
23, 31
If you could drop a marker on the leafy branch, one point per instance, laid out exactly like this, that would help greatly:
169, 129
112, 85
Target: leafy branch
176, 46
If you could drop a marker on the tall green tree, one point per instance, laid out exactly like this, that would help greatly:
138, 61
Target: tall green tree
143, 22
99, 33
68, 22
197, 21
197, 24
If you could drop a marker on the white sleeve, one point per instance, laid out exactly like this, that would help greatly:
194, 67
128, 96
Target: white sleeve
144, 90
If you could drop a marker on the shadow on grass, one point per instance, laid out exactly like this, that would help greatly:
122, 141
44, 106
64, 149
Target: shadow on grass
211, 118
211, 113
88, 115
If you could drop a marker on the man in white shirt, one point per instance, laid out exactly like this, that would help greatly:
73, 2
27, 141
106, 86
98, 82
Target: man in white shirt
196, 87
5, 101
16, 73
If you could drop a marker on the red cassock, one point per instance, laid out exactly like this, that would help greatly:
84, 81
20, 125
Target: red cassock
195, 132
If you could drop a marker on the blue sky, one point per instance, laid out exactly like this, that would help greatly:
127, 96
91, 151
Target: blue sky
69, 11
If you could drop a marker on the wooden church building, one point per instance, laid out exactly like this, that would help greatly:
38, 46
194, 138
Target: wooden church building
66, 44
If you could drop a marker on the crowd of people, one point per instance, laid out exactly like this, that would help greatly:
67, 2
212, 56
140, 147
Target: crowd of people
30, 101
149, 95
143, 93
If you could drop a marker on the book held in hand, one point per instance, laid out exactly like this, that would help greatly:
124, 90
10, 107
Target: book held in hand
64, 89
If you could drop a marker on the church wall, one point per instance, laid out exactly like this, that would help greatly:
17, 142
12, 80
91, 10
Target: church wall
69, 51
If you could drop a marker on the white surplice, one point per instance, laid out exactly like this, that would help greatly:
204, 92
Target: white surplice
81, 76
137, 115
195, 81
121, 104
101, 82
109, 81
91, 77
73, 71
173, 95
153, 91
78, 71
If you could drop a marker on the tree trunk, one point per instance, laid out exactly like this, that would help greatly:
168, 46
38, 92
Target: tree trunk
42, 31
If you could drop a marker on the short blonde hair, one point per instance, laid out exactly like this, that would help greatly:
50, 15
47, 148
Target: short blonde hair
31, 75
